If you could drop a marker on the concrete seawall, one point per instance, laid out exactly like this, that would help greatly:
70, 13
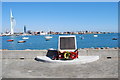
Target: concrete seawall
14, 67
14, 54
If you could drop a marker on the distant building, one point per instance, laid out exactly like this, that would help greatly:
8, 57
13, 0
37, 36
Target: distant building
43, 33
12, 22
29, 32
24, 28
37, 33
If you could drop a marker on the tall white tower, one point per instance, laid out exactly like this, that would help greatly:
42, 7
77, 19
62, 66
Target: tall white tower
12, 21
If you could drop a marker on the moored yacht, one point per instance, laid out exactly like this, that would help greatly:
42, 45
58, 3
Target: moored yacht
21, 41
25, 38
10, 40
48, 37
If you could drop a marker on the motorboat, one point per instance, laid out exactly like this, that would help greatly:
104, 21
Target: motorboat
48, 37
10, 40
21, 41
95, 35
114, 38
25, 38
81, 37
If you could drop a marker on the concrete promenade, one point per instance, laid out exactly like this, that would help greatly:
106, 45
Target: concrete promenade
14, 66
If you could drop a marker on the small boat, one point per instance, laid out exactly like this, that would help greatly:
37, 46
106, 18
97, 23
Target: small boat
114, 38
25, 38
10, 40
48, 37
81, 37
95, 35
21, 41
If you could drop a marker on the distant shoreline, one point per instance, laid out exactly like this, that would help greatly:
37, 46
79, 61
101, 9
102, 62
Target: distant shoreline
56, 33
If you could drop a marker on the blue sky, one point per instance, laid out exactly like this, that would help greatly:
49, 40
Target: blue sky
61, 16
60, 0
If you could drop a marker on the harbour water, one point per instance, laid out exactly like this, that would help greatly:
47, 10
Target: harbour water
38, 42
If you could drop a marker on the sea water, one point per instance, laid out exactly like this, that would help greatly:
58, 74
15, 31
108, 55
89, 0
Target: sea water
38, 42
